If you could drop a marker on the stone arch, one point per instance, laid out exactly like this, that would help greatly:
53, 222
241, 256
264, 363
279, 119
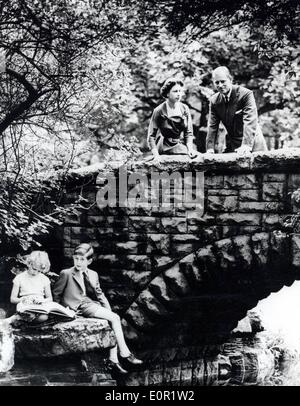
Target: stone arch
230, 275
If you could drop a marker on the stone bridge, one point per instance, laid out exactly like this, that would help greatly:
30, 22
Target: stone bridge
179, 277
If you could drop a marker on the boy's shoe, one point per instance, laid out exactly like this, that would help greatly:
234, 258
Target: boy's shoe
116, 367
131, 359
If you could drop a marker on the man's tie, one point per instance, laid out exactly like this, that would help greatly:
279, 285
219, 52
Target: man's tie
226, 99
89, 290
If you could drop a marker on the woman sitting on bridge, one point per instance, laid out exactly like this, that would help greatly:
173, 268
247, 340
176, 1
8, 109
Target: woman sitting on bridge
171, 124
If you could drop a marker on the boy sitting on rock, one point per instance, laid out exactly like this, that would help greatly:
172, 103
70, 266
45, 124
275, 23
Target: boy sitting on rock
78, 288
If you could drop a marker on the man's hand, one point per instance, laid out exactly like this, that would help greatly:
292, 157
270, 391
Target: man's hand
243, 150
210, 151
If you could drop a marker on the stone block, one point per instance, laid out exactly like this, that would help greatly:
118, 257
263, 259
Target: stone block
182, 211
190, 270
215, 182
131, 247
163, 210
241, 181
272, 220
206, 235
206, 258
225, 253
176, 281
184, 238
160, 290
151, 305
222, 203
248, 195
273, 191
158, 243
162, 261
242, 248
230, 231
144, 224
83, 233
131, 262
261, 207
137, 278
239, 219
174, 225
115, 222
194, 219
179, 249
138, 318
260, 252
274, 177
222, 192
77, 336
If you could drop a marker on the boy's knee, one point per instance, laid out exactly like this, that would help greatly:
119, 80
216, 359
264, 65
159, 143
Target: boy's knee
41, 318
116, 317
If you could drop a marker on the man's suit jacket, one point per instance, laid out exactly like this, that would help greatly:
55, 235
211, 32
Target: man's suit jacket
240, 118
69, 289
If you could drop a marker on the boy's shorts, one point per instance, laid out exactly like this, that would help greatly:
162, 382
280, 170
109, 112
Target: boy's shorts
88, 308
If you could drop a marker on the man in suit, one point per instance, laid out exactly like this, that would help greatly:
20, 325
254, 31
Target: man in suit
79, 288
235, 107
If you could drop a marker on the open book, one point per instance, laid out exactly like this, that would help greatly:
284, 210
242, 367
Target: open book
46, 308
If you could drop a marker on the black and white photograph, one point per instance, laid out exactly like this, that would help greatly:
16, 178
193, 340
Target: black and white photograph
149, 195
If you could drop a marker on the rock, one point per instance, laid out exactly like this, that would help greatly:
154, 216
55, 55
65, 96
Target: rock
77, 336
151, 305
244, 326
177, 281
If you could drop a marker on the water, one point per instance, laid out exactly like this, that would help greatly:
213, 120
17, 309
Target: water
7, 347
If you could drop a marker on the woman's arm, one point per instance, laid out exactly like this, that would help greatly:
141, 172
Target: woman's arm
152, 131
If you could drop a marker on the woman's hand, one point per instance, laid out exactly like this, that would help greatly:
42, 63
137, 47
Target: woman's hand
156, 157
192, 153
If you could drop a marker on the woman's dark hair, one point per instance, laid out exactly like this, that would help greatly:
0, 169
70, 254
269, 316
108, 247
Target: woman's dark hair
167, 86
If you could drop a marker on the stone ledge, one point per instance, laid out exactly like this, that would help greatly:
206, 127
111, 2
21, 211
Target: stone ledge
77, 336
269, 161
